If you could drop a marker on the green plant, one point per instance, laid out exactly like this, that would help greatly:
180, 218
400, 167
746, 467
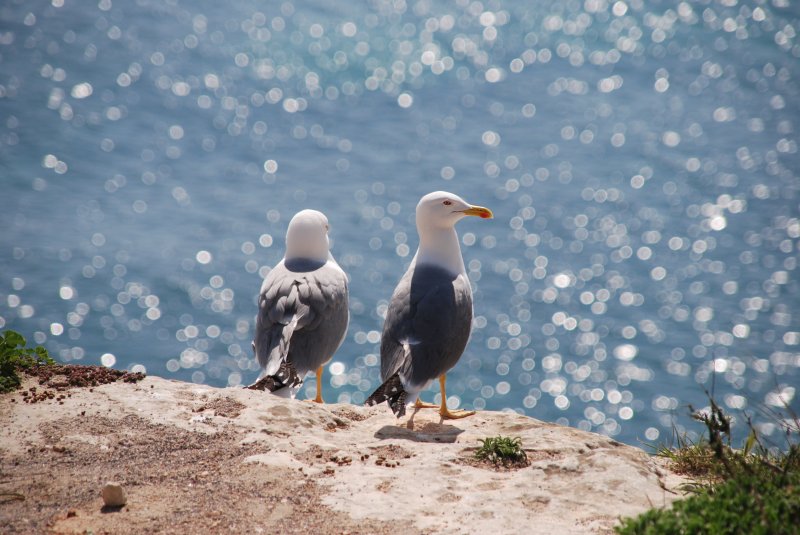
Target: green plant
503, 450
14, 356
691, 459
754, 489
746, 503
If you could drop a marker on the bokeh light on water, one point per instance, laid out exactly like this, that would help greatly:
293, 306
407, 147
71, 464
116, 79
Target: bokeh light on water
640, 157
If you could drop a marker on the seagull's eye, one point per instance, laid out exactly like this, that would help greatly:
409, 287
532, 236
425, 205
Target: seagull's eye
447, 203
327, 228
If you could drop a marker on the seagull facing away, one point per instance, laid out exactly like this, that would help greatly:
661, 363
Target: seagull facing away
429, 318
302, 309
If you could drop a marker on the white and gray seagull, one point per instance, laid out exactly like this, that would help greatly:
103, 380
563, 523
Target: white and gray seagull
302, 309
429, 318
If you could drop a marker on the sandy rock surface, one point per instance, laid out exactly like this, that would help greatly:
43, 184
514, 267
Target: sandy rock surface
200, 459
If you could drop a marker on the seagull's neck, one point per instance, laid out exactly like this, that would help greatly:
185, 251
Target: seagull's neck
439, 246
305, 252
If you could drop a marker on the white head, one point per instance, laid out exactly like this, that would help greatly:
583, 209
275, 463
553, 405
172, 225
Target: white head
437, 214
441, 209
307, 236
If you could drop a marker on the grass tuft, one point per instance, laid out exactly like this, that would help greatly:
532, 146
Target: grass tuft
502, 450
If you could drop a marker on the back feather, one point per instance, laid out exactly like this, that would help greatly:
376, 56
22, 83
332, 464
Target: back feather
274, 346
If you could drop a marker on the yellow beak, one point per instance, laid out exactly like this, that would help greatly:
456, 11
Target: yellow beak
479, 211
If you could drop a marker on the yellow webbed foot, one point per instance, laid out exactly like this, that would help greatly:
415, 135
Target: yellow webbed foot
454, 414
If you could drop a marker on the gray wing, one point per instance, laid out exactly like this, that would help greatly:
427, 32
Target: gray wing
302, 317
427, 325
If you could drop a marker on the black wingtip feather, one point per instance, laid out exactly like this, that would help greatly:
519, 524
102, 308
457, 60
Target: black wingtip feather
285, 376
392, 392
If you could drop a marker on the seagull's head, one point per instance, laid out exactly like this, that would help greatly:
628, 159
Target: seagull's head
441, 209
307, 236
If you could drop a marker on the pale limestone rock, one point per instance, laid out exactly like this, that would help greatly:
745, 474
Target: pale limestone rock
577, 482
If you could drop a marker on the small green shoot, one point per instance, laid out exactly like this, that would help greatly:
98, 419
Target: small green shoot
502, 450
14, 356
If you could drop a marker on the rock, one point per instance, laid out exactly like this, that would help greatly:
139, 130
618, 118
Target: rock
370, 471
114, 495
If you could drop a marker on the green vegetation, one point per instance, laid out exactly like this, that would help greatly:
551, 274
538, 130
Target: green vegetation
14, 356
749, 490
746, 503
503, 450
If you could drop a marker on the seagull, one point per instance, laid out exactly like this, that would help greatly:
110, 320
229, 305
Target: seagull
302, 309
429, 318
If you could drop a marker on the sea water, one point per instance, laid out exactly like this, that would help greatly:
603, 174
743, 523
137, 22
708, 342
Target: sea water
640, 157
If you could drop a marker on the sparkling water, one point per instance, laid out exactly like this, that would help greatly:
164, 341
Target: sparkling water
640, 158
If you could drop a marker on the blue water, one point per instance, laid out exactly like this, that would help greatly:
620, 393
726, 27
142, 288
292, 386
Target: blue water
640, 158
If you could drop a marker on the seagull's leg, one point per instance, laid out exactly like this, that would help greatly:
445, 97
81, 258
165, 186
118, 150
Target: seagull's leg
410, 422
444, 411
319, 399
421, 405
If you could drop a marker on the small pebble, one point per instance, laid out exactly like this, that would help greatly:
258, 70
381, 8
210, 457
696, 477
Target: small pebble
114, 495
